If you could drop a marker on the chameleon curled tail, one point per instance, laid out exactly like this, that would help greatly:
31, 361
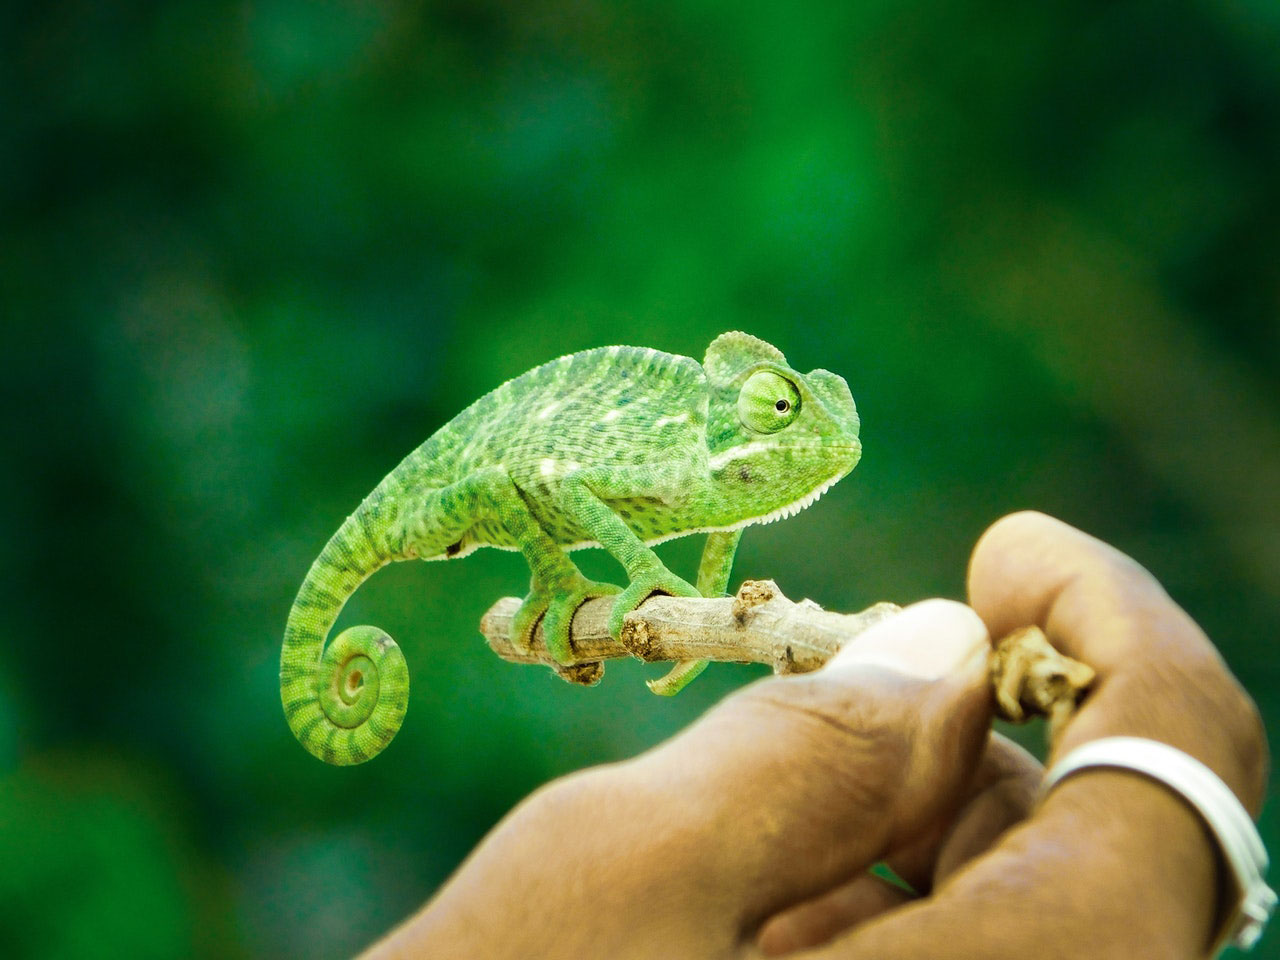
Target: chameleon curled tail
345, 701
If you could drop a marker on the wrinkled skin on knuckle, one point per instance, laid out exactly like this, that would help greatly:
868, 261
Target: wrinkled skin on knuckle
1188, 698
1236, 717
821, 724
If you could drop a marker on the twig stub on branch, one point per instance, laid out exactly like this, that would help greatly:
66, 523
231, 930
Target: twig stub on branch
1031, 678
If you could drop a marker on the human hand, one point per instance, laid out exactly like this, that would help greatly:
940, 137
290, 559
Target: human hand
752, 830
1112, 864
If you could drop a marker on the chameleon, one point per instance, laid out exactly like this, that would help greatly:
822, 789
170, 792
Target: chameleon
616, 447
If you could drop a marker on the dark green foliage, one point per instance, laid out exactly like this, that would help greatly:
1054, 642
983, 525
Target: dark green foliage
252, 253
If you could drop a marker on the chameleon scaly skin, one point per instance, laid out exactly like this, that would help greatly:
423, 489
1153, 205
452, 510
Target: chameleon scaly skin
618, 447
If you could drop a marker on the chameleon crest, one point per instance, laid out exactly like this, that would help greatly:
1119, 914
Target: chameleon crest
617, 447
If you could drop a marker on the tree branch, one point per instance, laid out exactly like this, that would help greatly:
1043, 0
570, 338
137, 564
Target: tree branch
760, 625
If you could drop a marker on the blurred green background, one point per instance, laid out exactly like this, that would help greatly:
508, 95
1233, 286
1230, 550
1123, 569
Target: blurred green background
251, 253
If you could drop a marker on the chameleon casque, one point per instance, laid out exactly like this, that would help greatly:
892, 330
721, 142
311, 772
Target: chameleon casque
617, 447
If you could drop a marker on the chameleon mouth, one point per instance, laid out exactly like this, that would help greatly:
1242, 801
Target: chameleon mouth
791, 509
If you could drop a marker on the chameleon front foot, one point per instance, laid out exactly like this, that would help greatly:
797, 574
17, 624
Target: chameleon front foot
655, 580
555, 606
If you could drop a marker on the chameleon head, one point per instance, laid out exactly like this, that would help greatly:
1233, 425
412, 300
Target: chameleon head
777, 439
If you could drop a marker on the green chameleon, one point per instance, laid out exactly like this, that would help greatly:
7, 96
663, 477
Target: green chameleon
618, 447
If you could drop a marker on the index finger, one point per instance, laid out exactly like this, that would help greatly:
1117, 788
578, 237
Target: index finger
1159, 676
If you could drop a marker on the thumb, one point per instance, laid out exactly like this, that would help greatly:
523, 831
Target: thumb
800, 782
925, 672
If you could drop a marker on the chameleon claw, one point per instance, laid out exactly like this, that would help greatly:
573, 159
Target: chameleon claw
525, 622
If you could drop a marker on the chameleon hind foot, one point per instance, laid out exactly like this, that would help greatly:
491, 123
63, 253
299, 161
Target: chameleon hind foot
555, 604
677, 678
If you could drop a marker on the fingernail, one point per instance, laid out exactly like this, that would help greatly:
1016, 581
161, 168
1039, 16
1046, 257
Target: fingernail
928, 640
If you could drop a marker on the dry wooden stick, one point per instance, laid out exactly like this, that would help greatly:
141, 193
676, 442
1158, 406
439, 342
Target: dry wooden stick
1033, 679
760, 625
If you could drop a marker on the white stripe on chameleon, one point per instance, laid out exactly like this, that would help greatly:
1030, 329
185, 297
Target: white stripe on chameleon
722, 459
663, 421
547, 411
611, 415
547, 467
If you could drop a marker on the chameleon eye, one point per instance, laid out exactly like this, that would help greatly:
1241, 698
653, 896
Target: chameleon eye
768, 402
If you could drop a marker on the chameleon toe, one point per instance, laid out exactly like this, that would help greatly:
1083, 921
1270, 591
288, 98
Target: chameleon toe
525, 622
